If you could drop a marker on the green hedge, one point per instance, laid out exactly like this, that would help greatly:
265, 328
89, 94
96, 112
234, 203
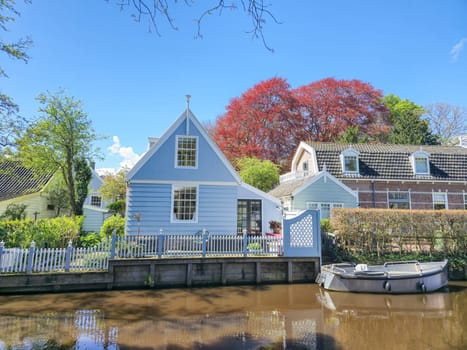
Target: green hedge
50, 233
387, 230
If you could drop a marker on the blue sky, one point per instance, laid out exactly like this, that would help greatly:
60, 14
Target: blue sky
133, 83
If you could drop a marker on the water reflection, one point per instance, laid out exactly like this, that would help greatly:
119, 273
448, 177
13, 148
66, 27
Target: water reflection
268, 317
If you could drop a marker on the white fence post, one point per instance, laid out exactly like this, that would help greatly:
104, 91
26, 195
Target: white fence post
113, 244
205, 238
2, 245
32, 249
69, 249
245, 244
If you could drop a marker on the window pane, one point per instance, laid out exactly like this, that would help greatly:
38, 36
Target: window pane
96, 201
398, 200
350, 163
186, 151
184, 207
439, 201
421, 165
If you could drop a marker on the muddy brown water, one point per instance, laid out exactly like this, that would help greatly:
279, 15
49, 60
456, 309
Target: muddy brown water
300, 316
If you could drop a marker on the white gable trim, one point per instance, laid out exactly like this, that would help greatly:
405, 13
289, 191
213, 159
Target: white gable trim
261, 193
189, 117
326, 176
304, 147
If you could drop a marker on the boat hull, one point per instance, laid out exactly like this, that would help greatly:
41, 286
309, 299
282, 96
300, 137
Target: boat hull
393, 278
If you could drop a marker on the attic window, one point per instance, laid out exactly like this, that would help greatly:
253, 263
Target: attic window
186, 151
349, 161
420, 163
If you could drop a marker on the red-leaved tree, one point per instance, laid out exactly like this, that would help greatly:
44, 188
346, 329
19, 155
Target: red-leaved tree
330, 106
270, 119
263, 123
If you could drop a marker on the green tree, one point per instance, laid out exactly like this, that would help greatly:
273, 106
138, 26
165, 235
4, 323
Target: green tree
352, 135
114, 186
408, 125
57, 195
83, 176
10, 123
262, 174
60, 138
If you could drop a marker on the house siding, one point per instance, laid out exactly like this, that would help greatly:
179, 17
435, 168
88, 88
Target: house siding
323, 190
94, 218
161, 165
374, 194
216, 205
35, 203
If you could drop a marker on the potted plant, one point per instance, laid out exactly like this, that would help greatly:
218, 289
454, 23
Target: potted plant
275, 226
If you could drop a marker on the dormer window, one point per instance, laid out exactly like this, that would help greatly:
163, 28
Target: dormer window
420, 163
349, 161
186, 152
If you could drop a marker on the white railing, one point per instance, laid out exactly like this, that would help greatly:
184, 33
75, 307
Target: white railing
295, 175
71, 259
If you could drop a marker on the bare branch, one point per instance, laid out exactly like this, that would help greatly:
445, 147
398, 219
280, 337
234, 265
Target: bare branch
257, 10
448, 121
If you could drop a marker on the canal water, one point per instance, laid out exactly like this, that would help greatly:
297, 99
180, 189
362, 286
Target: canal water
300, 316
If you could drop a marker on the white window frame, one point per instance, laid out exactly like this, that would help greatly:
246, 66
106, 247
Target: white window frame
399, 200
350, 153
177, 165
173, 217
418, 157
444, 201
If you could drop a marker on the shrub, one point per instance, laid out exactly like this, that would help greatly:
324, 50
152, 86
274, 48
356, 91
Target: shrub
50, 233
115, 222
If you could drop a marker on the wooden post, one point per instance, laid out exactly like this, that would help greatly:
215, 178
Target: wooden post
113, 244
32, 249
69, 249
2, 245
245, 244
205, 238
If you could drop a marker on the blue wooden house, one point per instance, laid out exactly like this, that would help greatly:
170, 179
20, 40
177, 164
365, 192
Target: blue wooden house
307, 187
184, 184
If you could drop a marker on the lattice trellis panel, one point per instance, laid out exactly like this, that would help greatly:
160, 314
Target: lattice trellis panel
301, 233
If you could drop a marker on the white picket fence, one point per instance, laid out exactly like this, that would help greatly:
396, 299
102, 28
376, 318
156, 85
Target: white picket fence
71, 259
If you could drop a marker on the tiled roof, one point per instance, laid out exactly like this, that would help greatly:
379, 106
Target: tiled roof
17, 180
287, 188
382, 161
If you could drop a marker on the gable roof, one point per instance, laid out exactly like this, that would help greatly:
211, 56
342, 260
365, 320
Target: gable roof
291, 188
17, 180
186, 115
384, 161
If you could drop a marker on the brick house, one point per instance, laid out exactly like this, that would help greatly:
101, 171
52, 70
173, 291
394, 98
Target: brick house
389, 176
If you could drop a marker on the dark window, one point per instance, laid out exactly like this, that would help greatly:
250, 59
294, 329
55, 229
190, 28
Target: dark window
398, 200
96, 201
249, 219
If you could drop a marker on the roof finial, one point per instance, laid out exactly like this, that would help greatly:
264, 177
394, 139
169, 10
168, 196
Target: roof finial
188, 101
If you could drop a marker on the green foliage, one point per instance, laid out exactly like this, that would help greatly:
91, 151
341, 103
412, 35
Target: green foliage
10, 123
262, 174
353, 135
114, 186
61, 138
381, 231
118, 206
50, 233
57, 194
325, 225
115, 222
408, 125
90, 239
14, 212
83, 176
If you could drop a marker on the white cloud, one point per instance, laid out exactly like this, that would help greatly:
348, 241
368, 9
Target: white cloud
129, 156
457, 49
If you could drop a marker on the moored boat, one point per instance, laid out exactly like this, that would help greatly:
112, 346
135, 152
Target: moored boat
399, 277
